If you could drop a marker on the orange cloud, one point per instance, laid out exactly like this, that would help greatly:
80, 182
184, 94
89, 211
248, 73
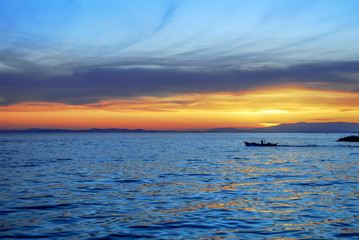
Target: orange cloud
263, 107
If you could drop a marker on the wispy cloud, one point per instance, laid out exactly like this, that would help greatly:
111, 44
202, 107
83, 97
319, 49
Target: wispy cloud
80, 52
266, 107
95, 84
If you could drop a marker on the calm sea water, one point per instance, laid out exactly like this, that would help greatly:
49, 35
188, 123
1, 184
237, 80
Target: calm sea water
178, 186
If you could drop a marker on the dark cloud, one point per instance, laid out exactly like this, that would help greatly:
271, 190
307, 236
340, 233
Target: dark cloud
79, 52
93, 85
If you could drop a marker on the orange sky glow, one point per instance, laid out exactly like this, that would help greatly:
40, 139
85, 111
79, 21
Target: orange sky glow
257, 108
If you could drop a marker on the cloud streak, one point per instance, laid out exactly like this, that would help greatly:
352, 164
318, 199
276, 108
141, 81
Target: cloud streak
81, 52
94, 85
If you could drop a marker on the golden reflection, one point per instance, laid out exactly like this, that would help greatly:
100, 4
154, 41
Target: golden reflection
241, 205
231, 186
283, 199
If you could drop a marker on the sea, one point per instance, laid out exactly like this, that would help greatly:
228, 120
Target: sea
178, 186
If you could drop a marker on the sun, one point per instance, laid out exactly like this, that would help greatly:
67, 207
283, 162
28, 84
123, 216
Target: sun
269, 124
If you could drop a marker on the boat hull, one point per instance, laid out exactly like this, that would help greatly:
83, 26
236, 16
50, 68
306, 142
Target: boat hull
254, 144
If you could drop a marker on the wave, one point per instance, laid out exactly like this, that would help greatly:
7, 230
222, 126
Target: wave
317, 146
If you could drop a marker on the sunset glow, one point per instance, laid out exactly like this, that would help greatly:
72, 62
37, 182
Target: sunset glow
177, 64
259, 108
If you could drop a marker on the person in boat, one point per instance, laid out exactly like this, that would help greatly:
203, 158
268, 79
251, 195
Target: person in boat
262, 142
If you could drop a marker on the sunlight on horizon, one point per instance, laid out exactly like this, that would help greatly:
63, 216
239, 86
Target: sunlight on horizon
251, 109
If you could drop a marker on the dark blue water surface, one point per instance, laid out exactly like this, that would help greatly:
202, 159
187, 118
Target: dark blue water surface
178, 186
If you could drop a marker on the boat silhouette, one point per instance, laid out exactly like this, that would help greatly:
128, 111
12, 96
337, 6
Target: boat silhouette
261, 144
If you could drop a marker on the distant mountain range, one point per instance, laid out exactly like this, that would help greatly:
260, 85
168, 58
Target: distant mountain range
92, 130
301, 127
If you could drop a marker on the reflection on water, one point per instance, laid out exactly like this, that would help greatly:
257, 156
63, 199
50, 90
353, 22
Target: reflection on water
177, 186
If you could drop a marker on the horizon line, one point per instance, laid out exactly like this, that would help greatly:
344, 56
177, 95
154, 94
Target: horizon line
217, 129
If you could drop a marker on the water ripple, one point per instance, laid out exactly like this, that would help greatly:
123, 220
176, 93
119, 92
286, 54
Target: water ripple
177, 186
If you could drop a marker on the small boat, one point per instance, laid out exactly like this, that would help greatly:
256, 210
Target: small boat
261, 144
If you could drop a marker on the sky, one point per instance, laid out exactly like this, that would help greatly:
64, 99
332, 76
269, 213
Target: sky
177, 64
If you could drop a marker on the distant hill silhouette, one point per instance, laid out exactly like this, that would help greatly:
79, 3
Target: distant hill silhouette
301, 127
92, 130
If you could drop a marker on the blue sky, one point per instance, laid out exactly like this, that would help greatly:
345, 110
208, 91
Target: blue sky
119, 49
